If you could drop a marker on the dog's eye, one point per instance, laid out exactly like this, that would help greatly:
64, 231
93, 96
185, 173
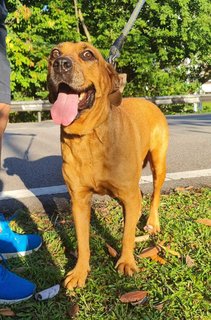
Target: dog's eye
55, 53
87, 55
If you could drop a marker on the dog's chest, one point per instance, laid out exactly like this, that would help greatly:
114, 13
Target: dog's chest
98, 164
85, 161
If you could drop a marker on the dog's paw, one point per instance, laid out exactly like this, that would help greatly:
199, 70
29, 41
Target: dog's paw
152, 226
127, 267
76, 278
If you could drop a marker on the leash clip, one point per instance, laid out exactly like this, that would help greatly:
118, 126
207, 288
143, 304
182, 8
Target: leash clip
114, 54
115, 49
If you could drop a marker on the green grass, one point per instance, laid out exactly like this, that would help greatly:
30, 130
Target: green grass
182, 291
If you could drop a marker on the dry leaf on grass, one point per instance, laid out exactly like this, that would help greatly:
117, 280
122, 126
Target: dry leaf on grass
179, 189
134, 297
152, 253
168, 250
142, 238
205, 221
183, 189
159, 259
159, 306
149, 252
189, 188
113, 253
73, 311
189, 261
7, 312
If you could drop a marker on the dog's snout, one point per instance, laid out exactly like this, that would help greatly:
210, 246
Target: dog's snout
62, 64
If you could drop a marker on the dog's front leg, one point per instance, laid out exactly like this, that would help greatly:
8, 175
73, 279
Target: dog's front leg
81, 215
132, 205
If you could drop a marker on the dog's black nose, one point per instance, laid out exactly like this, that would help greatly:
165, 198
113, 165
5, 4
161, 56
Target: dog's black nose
62, 64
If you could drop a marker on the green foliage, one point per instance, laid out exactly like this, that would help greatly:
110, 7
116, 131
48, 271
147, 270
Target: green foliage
167, 52
33, 30
207, 107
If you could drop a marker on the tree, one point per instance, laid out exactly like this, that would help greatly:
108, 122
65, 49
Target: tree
33, 31
168, 51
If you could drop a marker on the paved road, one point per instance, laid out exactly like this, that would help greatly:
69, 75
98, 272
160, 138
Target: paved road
31, 161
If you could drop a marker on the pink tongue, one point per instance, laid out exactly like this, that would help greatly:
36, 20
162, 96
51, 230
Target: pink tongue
65, 109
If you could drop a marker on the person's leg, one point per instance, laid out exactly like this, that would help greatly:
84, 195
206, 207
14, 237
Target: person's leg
5, 94
4, 115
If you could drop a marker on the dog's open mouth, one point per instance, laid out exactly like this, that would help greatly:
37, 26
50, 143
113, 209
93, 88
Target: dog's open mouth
71, 103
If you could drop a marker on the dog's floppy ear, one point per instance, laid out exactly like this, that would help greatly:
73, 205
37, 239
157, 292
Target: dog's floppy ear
115, 95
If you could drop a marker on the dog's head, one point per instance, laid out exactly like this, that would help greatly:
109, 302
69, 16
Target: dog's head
80, 82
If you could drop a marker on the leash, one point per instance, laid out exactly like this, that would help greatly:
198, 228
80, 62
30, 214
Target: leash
118, 43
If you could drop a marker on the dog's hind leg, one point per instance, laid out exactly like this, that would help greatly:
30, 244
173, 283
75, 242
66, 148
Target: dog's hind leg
132, 207
157, 159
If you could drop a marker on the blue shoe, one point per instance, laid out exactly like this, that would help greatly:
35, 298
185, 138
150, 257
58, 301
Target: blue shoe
13, 244
14, 288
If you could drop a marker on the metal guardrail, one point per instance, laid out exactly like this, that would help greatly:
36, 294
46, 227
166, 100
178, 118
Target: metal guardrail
44, 105
34, 105
180, 99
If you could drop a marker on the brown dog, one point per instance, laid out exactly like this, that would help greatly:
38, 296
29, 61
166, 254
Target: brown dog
105, 142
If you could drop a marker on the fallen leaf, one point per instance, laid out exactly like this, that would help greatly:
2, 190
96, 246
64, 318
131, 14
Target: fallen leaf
189, 188
7, 312
73, 311
113, 253
174, 253
183, 189
205, 221
149, 252
152, 252
159, 259
159, 306
180, 189
140, 302
189, 261
134, 297
142, 238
